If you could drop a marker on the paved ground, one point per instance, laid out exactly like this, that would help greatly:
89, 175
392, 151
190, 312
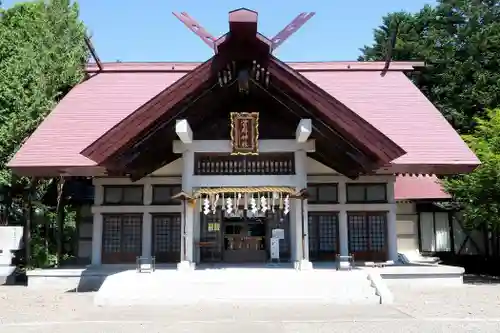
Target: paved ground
472, 308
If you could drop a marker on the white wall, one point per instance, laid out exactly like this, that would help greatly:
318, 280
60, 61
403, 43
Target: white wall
407, 227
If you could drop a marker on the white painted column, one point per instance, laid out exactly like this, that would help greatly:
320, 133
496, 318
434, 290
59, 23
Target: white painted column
187, 263
294, 235
343, 226
392, 236
147, 223
301, 217
97, 239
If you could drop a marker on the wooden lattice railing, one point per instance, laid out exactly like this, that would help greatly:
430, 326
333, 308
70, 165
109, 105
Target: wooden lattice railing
263, 164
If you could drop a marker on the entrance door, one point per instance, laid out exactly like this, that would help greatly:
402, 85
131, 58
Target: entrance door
244, 240
167, 237
210, 244
368, 235
121, 238
323, 235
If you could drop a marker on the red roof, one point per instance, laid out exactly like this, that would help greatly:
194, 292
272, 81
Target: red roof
419, 187
391, 103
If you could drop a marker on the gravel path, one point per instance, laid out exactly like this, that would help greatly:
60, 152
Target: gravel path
472, 308
470, 301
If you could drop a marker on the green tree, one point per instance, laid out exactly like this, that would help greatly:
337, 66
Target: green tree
42, 56
460, 43
478, 193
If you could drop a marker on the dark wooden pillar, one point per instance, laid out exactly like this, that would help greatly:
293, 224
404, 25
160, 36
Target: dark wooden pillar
452, 231
60, 218
28, 219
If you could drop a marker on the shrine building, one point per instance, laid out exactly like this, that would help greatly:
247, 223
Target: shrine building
246, 158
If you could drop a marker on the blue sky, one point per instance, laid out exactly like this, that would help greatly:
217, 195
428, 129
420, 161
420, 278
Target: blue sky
146, 30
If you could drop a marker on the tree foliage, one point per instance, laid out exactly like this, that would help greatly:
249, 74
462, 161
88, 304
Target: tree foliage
478, 193
42, 56
460, 43
42, 53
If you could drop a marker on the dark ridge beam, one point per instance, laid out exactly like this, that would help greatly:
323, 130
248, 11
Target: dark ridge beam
154, 158
358, 156
365, 158
128, 129
124, 154
348, 123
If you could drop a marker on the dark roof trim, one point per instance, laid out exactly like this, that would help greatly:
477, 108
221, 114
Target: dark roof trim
344, 121
129, 128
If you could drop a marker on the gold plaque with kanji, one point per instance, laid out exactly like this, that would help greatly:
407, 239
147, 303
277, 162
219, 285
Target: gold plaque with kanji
245, 133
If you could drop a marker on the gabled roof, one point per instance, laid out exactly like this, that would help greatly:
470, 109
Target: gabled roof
344, 140
391, 103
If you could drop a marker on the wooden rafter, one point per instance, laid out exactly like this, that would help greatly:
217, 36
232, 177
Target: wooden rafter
196, 28
290, 29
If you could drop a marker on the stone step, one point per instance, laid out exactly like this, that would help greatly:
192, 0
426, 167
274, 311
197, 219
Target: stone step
171, 287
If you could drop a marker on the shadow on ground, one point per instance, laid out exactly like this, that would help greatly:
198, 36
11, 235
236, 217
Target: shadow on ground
474, 279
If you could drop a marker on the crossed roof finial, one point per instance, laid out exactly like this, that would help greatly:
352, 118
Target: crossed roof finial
276, 41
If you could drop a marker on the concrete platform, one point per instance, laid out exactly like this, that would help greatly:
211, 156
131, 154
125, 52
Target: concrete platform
237, 284
112, 280
421, 275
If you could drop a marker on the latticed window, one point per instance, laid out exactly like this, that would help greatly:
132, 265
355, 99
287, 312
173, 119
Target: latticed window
112, 233
367, 232
122, 235
167, 233
323, 234
377, 227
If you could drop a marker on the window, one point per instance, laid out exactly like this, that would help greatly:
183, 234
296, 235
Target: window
323, 235
367, 235
167, 237
123, 195
374, 193
322, 193
162, 194
121, 238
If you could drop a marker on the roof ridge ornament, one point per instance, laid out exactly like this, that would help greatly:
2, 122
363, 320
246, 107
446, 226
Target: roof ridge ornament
290, 29
195, 27
276, 41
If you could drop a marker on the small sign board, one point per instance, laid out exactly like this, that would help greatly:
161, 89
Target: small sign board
245, 133
278, 233
275, 248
